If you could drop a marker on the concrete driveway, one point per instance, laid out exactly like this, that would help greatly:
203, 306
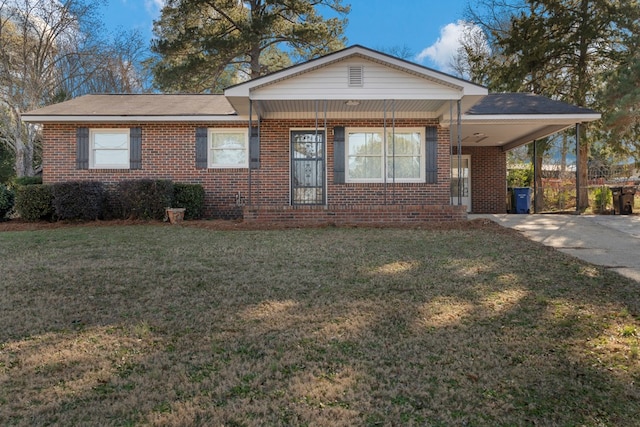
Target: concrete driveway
612, 241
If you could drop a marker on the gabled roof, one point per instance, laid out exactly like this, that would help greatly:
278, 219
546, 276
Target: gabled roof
319, 79
355, 50
136, 107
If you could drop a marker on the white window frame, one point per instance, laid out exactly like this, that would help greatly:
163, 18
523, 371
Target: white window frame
386, 157
92, 149
242, 131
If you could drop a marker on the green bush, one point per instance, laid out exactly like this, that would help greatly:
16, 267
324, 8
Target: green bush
27, 180
145, 198
520, 177
190, 197
6, 201
82, 200
34, 202
602, 197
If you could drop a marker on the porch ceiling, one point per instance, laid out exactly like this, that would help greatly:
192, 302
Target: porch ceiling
506, 134
412, 108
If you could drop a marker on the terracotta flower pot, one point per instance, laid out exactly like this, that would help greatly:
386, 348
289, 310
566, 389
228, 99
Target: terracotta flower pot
175, 215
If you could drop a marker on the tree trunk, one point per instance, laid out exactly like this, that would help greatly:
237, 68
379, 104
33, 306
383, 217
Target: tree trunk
580, 98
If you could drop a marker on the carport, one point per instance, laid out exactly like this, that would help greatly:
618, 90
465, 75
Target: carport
510, 120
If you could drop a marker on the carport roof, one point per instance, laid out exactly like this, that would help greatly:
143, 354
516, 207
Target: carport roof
523, 103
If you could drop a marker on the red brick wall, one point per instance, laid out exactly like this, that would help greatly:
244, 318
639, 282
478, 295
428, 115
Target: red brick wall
168, 152
488, 179
272, 186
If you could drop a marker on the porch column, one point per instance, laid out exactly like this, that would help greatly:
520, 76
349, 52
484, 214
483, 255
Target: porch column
460, 153
578, 181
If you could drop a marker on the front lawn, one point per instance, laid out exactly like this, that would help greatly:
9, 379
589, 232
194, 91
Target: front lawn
165, 325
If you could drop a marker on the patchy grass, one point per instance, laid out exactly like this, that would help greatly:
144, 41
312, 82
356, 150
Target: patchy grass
161, 325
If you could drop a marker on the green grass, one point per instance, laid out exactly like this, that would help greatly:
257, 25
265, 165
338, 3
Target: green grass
162, 325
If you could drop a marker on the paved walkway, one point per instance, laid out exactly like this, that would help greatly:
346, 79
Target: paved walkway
612, 241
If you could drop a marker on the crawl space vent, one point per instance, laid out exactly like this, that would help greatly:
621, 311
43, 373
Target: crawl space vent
356, 73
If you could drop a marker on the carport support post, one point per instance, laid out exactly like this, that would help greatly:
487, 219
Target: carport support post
578, 183
535, 174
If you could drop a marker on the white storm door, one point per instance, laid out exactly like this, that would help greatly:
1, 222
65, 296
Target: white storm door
461, 181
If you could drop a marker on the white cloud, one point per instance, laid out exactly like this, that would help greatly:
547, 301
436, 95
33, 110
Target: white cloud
441, 53
154, 6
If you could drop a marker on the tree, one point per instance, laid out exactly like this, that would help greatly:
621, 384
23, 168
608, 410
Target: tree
561, 49
35, 35
204, 45
51, 51
621, 95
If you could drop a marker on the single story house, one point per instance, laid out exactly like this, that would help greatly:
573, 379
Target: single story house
353, 136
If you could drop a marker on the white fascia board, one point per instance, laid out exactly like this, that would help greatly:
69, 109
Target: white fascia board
468, 88
141, 119
348, 96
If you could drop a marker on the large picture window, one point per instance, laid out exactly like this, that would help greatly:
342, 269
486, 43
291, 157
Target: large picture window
400, 157
228, 148
109, 149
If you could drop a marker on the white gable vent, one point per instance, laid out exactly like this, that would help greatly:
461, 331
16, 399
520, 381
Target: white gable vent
356, 74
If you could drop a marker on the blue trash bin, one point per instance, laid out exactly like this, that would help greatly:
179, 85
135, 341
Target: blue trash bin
522, 200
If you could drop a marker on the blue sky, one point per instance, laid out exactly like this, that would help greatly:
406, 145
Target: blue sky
428, 28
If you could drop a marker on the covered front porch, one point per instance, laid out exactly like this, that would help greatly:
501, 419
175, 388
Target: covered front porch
343, 120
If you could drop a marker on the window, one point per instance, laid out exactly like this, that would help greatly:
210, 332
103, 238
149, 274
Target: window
402, 160
228, 148
109, 149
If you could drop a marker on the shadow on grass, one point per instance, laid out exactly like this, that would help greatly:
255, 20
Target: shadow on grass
175, 326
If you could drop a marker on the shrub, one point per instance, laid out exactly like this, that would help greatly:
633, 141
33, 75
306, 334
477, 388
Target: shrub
28, 180
520, 177
34, 202
602, 198
145, 198
6, 201
82, 200
190, 197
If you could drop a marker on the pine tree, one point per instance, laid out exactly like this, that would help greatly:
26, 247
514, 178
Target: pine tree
205, 45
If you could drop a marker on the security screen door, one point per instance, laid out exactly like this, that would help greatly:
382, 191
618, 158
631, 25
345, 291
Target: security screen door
307, 168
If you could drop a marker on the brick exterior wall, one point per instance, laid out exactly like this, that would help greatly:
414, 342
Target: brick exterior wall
168, 152
488, 179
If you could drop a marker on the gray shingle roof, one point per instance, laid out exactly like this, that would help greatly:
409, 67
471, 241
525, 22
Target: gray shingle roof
523, 103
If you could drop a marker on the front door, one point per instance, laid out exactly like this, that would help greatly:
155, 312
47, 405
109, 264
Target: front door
461, 184
307, 168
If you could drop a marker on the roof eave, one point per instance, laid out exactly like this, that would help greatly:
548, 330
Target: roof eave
30, 118
560, 118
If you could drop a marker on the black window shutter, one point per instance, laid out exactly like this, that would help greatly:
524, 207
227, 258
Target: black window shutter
254, 147
82, 148
202, 136
338, 155
135, 148
432, 154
